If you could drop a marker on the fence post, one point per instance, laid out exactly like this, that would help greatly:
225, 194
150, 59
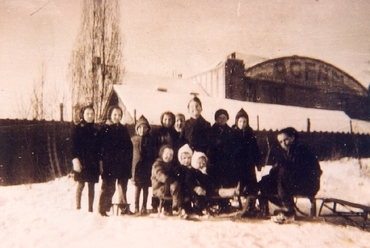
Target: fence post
308, 125
61, 111
258, 122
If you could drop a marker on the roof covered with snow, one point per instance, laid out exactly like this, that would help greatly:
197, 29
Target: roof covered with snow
151, 96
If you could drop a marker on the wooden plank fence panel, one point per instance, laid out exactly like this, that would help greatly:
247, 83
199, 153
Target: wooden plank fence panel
39, 151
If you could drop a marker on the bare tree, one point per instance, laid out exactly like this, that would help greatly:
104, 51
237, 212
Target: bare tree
33, 107
95, 63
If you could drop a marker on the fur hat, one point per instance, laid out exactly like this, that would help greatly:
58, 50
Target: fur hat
184, 149
241, 113
194, 159
195, 99
221, 112
142, 121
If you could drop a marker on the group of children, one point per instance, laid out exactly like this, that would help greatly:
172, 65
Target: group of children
186, 160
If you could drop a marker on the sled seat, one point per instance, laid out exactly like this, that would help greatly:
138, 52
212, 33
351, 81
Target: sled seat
355, 213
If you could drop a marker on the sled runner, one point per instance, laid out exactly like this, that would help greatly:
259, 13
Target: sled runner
216, 205
355, 213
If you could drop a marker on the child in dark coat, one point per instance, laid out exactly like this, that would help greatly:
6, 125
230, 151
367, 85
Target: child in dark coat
116, 161
166, 133
164, 181
201, 183
246, 157
219, 151
196, 129
142, 162
183, 172
85, 156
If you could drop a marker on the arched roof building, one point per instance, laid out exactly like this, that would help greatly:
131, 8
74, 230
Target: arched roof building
293, 81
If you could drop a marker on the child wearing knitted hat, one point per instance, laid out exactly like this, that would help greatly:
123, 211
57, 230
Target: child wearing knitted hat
143, 159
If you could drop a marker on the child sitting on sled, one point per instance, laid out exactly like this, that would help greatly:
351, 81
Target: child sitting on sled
164, 181
201, 183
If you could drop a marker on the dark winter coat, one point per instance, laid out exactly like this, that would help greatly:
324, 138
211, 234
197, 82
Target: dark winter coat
165, 136
184, 177
85, 148
245, 155
203, 180
116, 151
219, 153
196, 133
300, 170
143, 159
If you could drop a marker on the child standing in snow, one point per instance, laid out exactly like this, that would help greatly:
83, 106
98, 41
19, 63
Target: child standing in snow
164, 181
196, 129
143, 158
85, 156
220, 149
246, 157
116, 161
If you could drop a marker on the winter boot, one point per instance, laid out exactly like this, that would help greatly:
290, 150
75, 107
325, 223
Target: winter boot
143, 211
167, 208
264, 206
155, 204
125, 209
249, 208
282, 218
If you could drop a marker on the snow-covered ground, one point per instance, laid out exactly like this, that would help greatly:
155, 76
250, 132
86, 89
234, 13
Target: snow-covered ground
43, 215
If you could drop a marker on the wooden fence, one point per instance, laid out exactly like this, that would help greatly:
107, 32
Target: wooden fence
39, 151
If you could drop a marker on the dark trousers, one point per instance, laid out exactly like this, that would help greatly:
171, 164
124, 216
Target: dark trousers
122, 190
138, 190
108, 189
91, 193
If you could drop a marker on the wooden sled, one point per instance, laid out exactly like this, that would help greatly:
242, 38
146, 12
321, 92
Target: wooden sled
355, 213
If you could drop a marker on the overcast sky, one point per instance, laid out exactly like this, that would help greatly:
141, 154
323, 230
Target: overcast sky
183, 35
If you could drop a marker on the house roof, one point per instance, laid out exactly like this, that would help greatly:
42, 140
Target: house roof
140, 95
360, 126
171, 85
